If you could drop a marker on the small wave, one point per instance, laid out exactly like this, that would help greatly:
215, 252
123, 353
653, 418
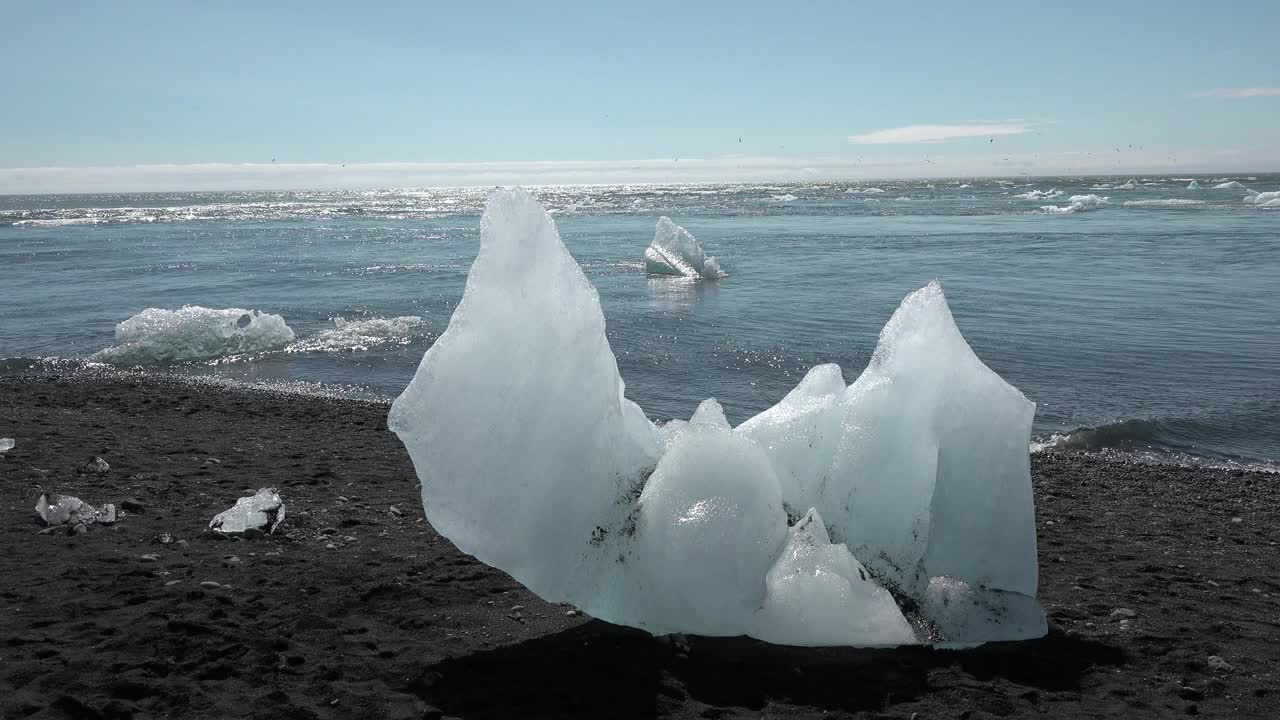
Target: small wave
1172, 202
1040, 194
1078, 203
1158, 441
359, 335
1230, 185
194, 334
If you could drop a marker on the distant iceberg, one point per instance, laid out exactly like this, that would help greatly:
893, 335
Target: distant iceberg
192, 334
865, 191
1264, 199
844, 515
1193, 185
1130, 185
1078, 203
1230, 185
674, 251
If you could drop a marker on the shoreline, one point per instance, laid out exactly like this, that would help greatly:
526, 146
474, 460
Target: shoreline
356, 611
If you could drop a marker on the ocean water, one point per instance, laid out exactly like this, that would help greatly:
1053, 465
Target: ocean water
1143, 320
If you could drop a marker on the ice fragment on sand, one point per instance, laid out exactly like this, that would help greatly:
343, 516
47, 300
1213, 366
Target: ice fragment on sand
6, 444
95, 466
807, 524
262, 512
674, 251
157, 337
66, 509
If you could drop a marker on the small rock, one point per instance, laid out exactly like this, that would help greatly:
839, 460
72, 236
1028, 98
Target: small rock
431, 712
329, 531
342, 498
164, 538
1217, 664
517, 608
395, 511
96, 466
210, 585
330, 546
573, 613
171, 583
349, 538
80, 529
230, 561
183, 544
1237, 520
1123, 614
150, 557
132, 505
6, 444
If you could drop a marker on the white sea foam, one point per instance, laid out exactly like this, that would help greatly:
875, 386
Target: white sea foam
1040, 194
353, 335
192, 334
1172, 202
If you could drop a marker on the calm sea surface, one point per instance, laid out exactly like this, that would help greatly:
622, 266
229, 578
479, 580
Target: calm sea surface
1146, 319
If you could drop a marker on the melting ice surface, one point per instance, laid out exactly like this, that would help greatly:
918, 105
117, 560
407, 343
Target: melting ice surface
674, 251
194, 333
814, 523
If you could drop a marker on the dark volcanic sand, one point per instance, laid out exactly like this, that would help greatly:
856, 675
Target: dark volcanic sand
393, 622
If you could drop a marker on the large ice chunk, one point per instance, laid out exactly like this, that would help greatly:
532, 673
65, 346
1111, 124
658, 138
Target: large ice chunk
261, 512
532, 459
156, 336
674, 251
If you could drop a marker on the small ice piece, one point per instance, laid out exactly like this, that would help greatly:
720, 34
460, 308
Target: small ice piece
817, 593
95, 466
64, 509
1130, 185
1040, 194
6, 444
193, 334
1230, 185
263, 511
1262, 198
674, 251
1193, 185
966, 615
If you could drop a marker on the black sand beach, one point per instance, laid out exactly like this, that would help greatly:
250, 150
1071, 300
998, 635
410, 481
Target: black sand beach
359, 611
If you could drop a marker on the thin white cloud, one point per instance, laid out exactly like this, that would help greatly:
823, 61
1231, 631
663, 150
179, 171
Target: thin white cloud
1240, 93
938, 133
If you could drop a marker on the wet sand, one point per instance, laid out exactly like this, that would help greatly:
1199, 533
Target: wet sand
359, 611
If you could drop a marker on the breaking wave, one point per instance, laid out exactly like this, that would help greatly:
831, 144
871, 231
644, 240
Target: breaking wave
1053, 194
157, 336
1172, 202
359, 335
1178, 441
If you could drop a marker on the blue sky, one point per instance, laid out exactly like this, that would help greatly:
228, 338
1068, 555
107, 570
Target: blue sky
177, 95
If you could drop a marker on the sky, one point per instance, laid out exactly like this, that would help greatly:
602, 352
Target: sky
178, 95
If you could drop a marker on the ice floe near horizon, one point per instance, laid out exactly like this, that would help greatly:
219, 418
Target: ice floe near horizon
1266, 199
799, 526
1130, 185
1193, 185
866, 191
1077, 203
1230, 185
193, 333
674, 251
